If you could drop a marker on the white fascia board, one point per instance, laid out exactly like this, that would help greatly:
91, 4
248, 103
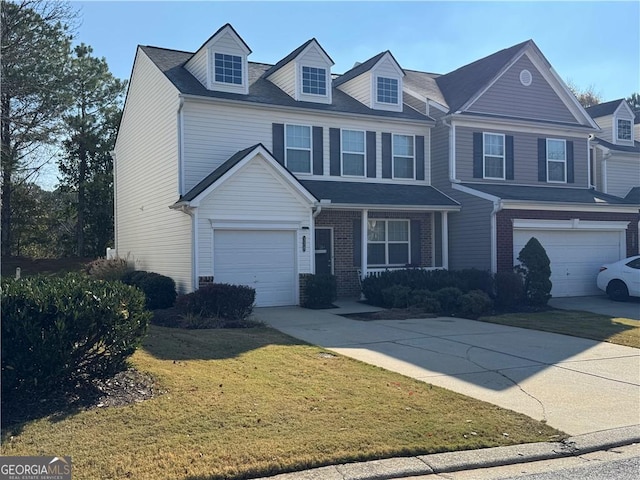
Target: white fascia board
572, 224
392, 208
289, 180
271, 107
567, 207
517, 125
475, 193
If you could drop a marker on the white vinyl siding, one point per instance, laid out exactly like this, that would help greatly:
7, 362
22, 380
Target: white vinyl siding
359, 88
623, 173
197, 66
214, 132
152, 236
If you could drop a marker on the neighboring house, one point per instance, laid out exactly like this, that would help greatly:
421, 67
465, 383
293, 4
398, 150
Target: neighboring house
615, 150
243, 172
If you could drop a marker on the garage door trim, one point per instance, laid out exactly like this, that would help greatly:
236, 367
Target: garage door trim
573, 224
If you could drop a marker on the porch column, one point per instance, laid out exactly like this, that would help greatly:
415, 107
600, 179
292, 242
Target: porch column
363, 248
445, 240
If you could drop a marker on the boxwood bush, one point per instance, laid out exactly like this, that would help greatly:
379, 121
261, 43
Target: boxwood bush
230, 302
159, 290
57, 331
320, 291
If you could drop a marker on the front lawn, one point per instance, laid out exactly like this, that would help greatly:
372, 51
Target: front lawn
622, 331
247, 403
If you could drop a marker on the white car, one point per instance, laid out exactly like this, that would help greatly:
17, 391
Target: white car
621, 279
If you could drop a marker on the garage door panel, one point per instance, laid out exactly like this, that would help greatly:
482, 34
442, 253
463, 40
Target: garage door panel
264, 260
575, 257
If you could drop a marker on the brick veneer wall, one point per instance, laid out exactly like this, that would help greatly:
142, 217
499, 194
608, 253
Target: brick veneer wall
342, 223
504, 224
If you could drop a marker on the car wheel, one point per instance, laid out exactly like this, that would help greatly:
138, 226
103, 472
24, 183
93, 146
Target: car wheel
617, 291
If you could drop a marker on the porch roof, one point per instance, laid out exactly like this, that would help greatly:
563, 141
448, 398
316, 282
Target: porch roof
377, 195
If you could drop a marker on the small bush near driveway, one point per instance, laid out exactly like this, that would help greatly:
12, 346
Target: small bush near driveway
220, 300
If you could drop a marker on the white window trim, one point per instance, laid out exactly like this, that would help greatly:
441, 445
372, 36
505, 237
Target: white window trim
326, 81
286, 148
387, 242
558, 161
393, 157
399, 85
617, 127
504, 156
243, 70
363, 153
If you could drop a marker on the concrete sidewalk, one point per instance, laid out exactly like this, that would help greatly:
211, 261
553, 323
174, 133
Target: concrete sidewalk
577, 385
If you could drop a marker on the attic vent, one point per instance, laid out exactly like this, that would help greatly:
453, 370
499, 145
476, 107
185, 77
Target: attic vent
525, 78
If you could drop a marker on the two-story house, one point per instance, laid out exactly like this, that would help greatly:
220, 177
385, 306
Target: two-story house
615, 149
233, 171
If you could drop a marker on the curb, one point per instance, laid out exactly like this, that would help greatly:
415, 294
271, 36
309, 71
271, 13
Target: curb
470, 459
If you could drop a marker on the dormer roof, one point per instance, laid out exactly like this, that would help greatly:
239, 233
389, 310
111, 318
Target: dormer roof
607, 108
227, 27
296, 53
361, 68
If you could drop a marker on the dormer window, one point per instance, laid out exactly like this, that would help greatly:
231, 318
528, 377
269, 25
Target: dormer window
228, 68
624, 129
387, 90
314, 80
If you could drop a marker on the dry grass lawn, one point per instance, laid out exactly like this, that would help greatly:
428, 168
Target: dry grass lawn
622, 331
247, 403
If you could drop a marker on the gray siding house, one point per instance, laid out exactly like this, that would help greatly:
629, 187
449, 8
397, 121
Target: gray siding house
233, 171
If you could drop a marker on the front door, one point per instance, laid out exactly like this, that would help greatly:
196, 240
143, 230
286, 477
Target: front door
324, 250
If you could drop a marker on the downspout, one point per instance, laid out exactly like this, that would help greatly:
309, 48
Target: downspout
452, 150
193, 213
115, 201
180, 147
605, 180
497, 207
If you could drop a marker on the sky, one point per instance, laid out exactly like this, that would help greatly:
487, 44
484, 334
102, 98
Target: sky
591, 44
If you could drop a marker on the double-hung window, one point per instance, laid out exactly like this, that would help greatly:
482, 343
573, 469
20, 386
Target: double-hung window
388, 243
624, 129
556, 160
298, 148
387, 90
314, 81
494, 157
228, 68
403, 156
353, 153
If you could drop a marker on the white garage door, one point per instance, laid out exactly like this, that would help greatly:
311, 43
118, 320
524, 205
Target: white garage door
264, 260
576, 257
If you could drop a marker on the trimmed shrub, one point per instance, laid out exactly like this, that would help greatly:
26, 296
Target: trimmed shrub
159, 290
396, 296
57, 331
474, 304
535, 267
509, 289
320, 291
231, 302
471, 279
425, 300
108, 269
448, 298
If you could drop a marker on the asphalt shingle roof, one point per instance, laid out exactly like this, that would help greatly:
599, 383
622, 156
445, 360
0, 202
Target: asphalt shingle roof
620, 148
261, 90
459, 86
633, 196
359, 69
360, 193
603, 109
548, 194
293, 55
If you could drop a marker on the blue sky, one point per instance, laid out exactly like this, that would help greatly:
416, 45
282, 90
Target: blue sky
590, 43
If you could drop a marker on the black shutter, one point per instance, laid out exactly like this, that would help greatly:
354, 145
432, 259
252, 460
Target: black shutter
318, 154
386, 155
357, 243
278, 142
542, 159
334, 151
509, 174
371, 154
477, 155
416, 245
419, 157
570, 175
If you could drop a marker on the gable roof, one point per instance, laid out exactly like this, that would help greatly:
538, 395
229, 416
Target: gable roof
262, 91
459, 86
548, 194
619, 148
225, 26
219, 172
380, 194
361, 68
293, 55
603, 109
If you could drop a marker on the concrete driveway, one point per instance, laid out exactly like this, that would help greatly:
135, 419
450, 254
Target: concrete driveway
576, 385
600, 304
